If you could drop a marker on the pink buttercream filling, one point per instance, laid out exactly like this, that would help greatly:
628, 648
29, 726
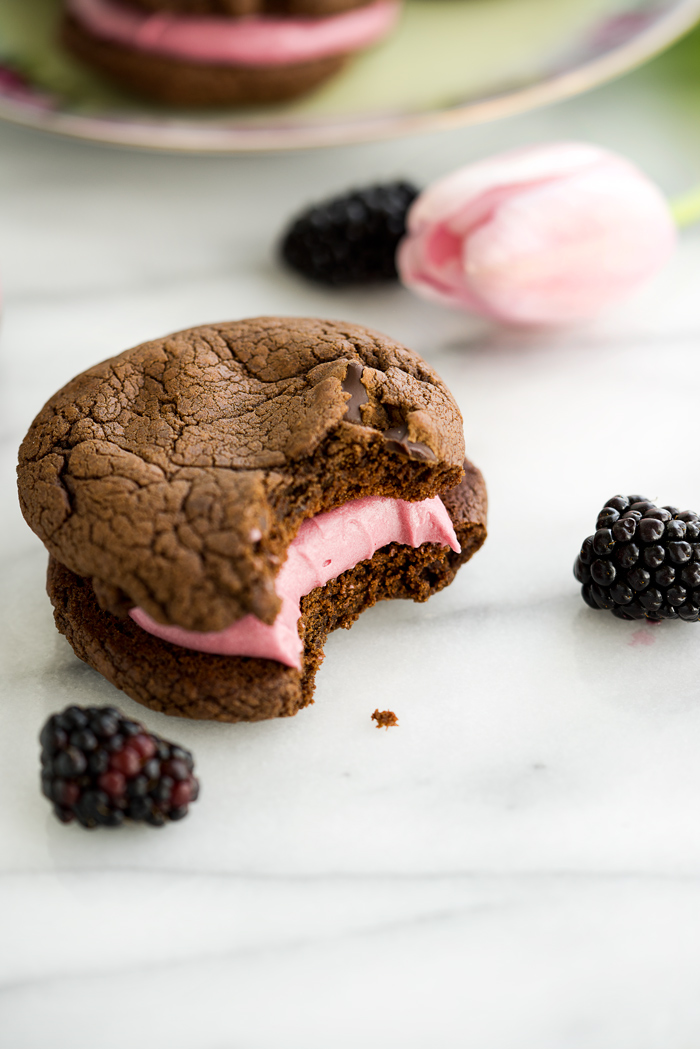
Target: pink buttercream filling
251, 41
325, 546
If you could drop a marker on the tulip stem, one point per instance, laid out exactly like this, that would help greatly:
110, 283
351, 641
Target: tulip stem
686, 208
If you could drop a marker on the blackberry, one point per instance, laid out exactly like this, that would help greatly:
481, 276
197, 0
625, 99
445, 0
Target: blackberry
351, 239
643, 561
101, 768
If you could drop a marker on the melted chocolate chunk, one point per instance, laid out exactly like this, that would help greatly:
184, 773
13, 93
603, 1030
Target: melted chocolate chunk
396, 436
352, 384
396, 440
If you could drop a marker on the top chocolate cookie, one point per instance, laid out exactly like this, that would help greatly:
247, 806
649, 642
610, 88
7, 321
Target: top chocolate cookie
241, 8
175, 475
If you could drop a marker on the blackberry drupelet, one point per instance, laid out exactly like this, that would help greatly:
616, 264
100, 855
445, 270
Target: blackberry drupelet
351, 239
101, 768
643, 561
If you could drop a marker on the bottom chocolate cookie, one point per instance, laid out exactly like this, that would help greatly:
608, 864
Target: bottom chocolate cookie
179, 681
181, 83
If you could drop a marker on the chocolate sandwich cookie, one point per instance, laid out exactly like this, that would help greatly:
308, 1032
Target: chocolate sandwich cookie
214, 503
223, 52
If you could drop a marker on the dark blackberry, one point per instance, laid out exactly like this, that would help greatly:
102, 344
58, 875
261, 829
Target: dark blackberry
351, 239
101, 769
643, 562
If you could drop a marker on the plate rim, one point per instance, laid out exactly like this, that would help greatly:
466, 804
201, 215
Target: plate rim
317, 134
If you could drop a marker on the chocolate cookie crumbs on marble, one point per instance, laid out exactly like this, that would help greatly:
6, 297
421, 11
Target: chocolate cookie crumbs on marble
175, 476
385, 718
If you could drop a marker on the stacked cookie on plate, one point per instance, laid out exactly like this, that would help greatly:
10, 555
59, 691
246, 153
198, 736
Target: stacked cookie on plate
223, 52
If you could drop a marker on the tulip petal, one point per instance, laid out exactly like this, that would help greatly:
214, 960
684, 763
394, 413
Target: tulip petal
545, 235
565, 250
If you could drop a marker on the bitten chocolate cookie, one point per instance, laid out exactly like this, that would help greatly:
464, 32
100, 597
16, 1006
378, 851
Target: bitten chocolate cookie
217, 501
223, 52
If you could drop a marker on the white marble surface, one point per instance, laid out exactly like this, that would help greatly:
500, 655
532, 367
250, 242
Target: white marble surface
517, 866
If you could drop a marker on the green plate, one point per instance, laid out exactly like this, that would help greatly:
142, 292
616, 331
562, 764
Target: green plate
451, 62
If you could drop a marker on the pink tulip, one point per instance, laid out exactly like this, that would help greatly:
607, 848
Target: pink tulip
544, 235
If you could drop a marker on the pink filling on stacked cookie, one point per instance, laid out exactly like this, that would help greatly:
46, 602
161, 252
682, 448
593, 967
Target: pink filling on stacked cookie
250, 41
325, 546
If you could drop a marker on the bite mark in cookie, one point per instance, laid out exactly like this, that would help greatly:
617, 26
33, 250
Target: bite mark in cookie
183, 682
325, 546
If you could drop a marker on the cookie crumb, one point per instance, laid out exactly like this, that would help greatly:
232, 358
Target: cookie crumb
385, 718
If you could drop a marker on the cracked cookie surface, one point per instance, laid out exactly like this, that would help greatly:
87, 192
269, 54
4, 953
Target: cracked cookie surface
175, 475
